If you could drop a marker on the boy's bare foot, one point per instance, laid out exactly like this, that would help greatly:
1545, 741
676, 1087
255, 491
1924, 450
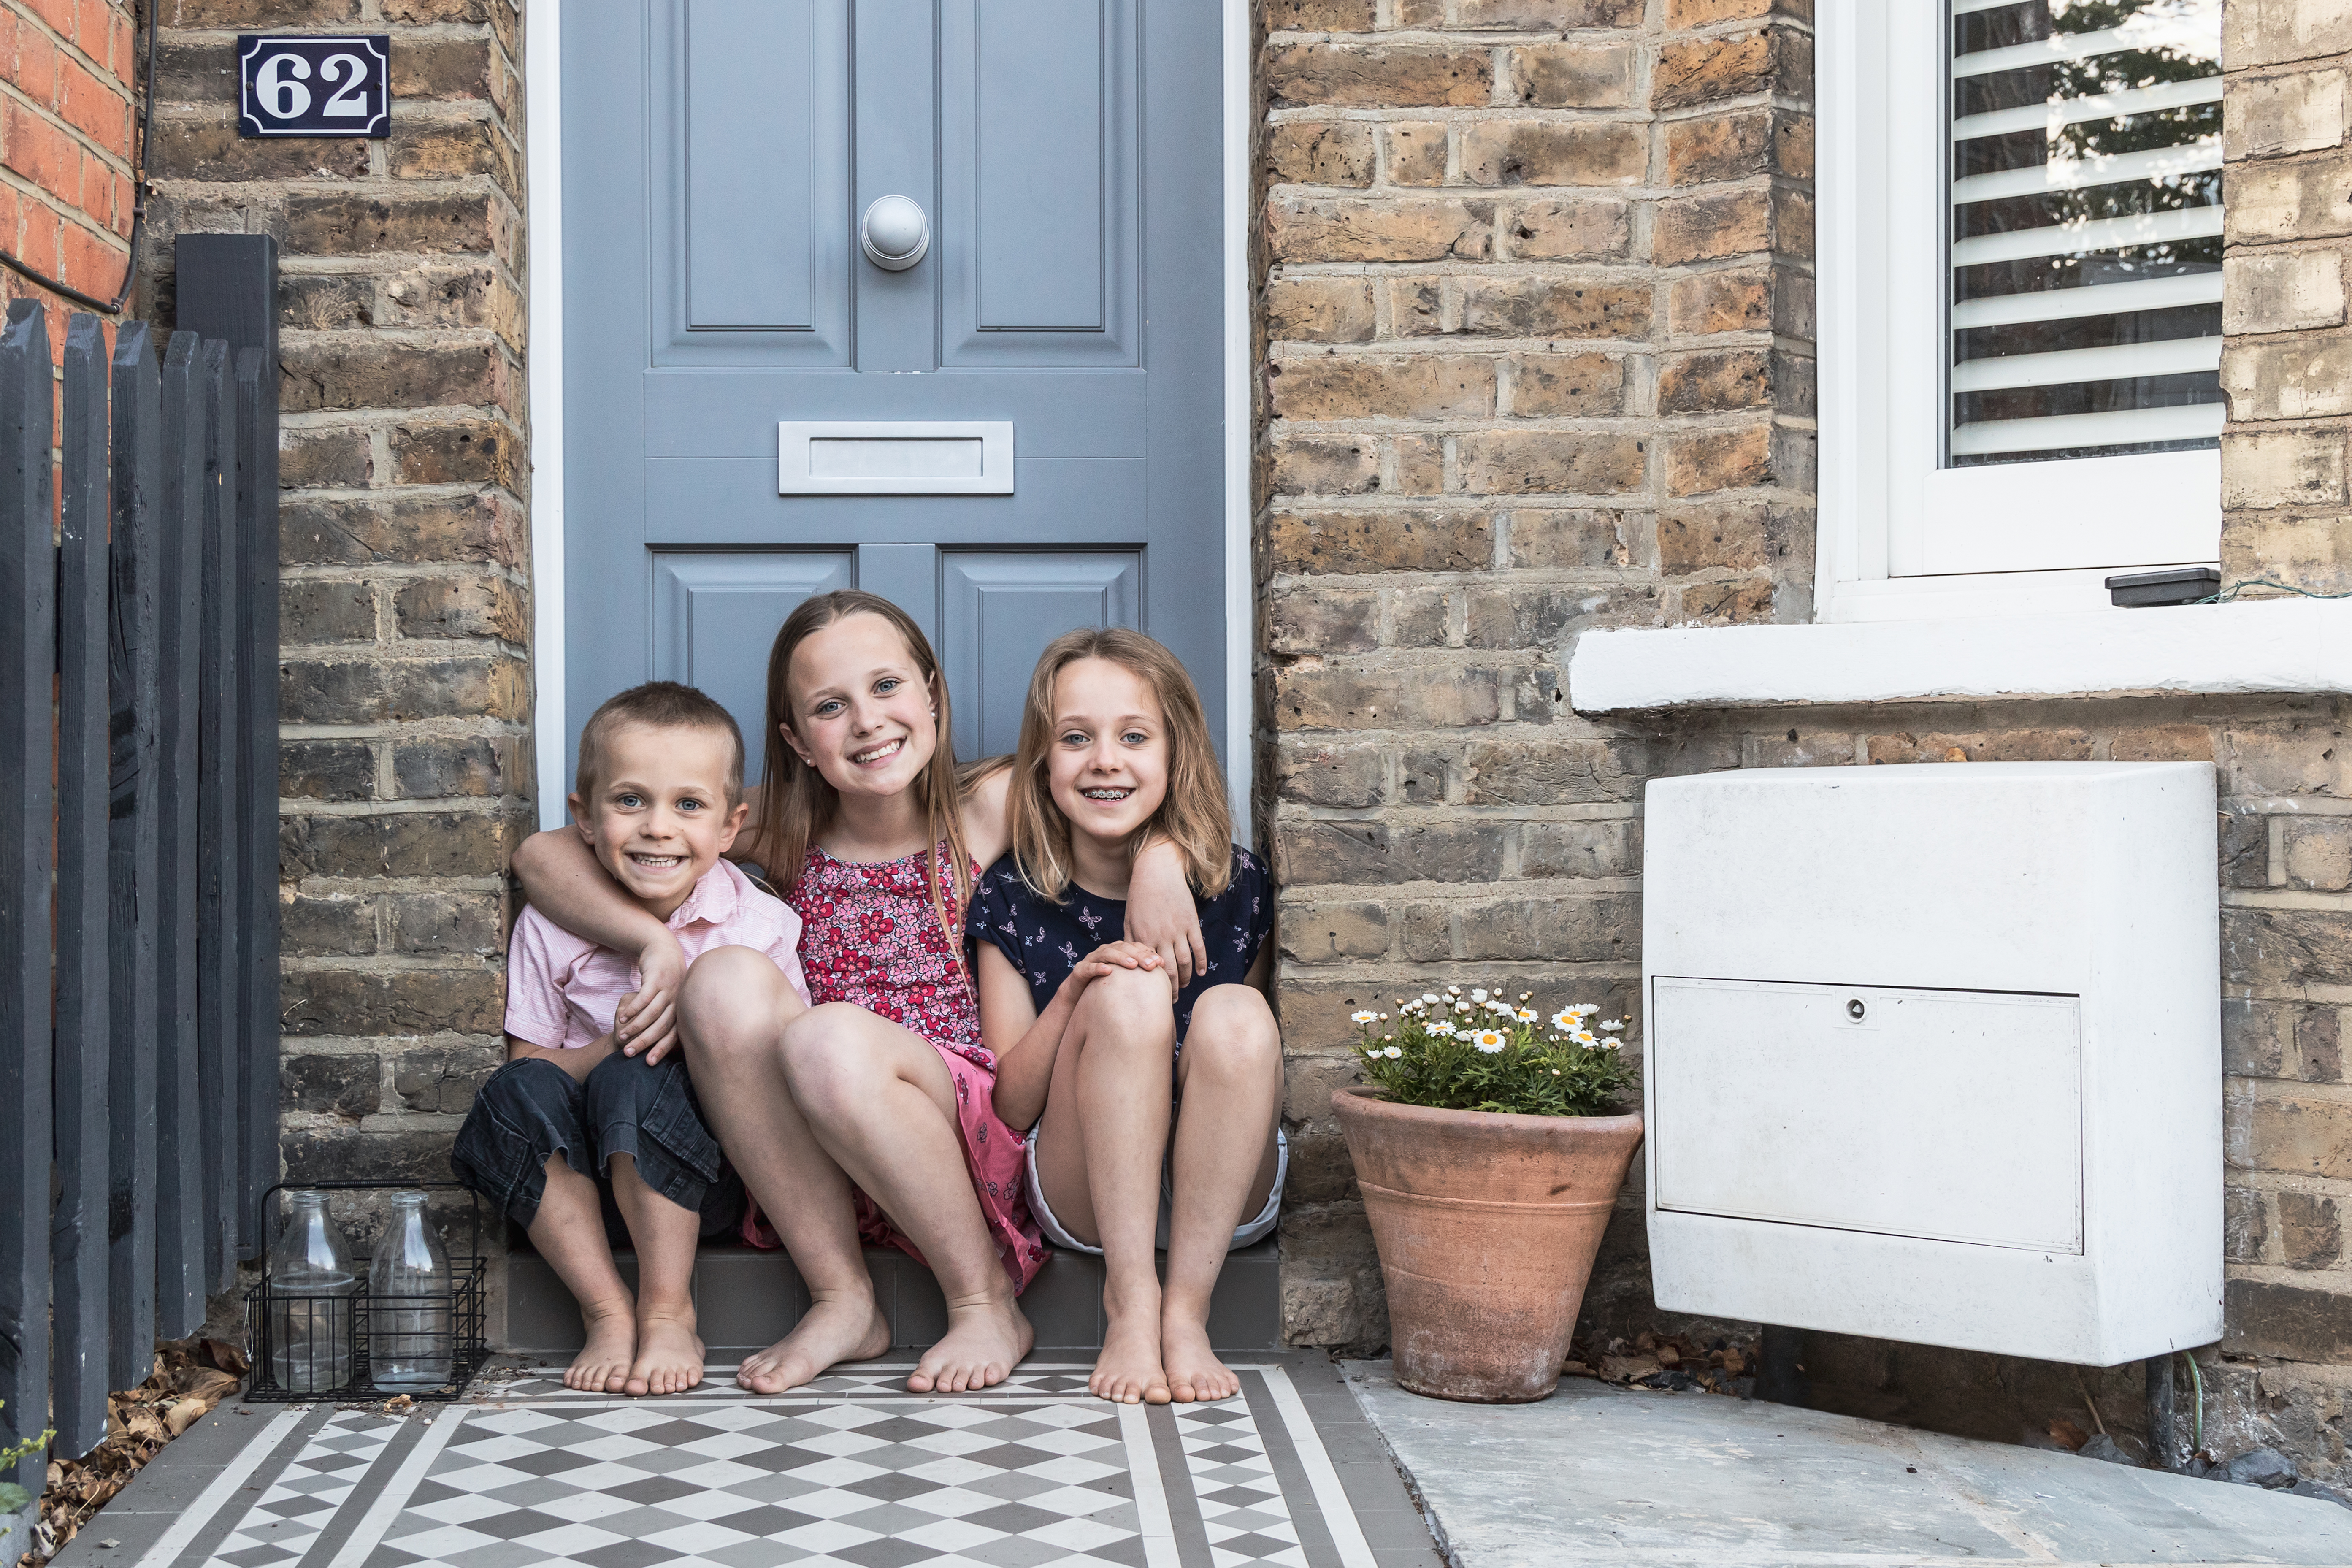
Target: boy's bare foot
1128, 1371
1194, 1373
984, 1342
669, 1353
837, 1329
602, 1364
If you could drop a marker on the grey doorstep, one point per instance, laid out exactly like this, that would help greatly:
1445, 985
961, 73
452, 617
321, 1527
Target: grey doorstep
745, 1299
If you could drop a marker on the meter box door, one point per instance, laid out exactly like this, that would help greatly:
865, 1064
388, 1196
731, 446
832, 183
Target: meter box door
1934, 1053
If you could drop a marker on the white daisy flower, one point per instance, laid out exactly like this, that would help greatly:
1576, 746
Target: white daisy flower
1478, 995
1462, 1006
1454, 991
1525, 1014
1527, 996
1442, 1027
1490, 1040
1585, 1009
1613, 1025
1565, 1019
1363, 1018
1428, 996
1393, 1053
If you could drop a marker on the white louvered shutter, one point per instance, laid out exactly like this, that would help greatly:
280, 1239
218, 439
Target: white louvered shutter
2086, 228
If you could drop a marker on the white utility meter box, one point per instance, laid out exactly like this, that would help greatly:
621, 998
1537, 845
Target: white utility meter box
1934, 1053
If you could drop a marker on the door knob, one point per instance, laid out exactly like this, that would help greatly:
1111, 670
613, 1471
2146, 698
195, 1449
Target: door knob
895, 233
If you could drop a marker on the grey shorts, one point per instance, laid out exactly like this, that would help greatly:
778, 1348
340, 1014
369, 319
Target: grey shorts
1256, 1228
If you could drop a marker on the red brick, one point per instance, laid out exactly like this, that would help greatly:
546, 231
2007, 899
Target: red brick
37, 69
98, 109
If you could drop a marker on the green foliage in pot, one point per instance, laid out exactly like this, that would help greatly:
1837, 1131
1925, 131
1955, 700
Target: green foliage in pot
1485, 1052
14, 1499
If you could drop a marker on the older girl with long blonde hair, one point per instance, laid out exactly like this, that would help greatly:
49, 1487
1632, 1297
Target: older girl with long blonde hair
1154, 1100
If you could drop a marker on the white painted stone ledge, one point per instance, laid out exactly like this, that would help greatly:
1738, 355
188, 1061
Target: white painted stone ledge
2251, 646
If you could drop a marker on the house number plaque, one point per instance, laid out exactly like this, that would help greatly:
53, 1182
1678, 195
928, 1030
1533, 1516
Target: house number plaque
306, 85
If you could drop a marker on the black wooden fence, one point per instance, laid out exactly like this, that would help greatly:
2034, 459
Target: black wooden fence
138, 847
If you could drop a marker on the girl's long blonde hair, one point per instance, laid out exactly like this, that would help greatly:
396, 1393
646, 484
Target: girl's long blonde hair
1193, 815
796, 804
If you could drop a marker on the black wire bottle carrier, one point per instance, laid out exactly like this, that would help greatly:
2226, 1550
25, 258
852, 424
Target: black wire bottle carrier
267, 1308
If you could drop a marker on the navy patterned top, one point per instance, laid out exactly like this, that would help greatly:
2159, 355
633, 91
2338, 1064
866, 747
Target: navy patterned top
1046, 939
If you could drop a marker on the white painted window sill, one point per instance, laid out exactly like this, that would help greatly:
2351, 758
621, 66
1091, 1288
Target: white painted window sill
2251, 646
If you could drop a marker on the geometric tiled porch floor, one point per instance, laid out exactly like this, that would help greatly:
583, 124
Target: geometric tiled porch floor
852, 1470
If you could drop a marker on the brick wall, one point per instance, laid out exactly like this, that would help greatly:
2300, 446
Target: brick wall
1539, 317
1538, 321
66, 127
405, 601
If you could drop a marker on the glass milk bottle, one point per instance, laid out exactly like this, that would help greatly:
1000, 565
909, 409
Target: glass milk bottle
410, 1325
312, 1283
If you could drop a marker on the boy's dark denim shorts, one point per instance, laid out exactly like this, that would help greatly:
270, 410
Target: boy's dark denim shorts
531, 1108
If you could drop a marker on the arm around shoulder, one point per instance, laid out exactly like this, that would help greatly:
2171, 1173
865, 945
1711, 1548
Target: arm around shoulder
562, 880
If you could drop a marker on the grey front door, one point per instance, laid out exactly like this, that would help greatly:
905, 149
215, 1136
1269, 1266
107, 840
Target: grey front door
719, 156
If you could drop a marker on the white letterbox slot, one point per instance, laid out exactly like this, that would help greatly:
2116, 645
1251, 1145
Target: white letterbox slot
1933, 1053
1832, 1105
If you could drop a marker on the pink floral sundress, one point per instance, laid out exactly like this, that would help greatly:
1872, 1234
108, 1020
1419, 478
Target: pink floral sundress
869, 935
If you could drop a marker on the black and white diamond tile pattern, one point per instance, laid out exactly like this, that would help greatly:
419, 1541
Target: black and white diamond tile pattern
1242, 1506
296, 1506
852, 1472
719, 1384
949, 1484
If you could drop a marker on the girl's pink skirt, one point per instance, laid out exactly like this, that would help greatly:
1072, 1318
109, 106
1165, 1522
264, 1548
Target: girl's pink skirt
993, 1154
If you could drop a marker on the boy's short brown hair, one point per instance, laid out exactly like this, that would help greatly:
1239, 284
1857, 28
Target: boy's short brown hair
657, 705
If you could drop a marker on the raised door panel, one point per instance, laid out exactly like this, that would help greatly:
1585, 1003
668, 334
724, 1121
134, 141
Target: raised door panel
997, 612
716, 615
1947, 1115
753, 143
1039, 202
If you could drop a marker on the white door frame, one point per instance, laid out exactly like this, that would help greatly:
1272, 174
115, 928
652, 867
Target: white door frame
543, 117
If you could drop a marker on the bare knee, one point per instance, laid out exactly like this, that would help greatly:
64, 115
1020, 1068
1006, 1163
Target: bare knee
1129, 1006
827, 1055
730, 1003
1232, 1034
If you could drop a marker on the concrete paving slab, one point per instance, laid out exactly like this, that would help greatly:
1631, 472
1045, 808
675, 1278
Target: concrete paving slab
1627, 1476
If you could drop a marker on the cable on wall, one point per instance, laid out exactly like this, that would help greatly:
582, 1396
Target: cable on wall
138, 206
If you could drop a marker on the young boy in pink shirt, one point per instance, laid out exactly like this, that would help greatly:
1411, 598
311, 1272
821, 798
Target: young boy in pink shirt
587, 1147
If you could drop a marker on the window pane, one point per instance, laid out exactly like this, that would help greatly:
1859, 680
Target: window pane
2085, 187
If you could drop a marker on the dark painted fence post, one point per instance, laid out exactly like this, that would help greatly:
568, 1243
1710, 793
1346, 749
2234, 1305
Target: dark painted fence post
257, 833
132, 847
218, 973
180, 1256
78, 1229
28, 819
228, 290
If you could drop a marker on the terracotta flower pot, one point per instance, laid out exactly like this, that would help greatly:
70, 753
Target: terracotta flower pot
1486, 1226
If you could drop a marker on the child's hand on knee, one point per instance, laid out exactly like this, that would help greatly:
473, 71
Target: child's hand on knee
1108, 959
646, 1022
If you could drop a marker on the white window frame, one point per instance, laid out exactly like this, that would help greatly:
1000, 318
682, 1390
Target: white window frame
1900, 536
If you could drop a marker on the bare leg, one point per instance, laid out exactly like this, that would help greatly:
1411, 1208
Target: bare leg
1100, 1148
1231, 1077
668, 1351
879, 1099
569, 1232
733, 1011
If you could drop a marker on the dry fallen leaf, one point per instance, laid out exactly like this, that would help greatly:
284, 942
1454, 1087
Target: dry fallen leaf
2068, 1433
398, 1402
1627, 1368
